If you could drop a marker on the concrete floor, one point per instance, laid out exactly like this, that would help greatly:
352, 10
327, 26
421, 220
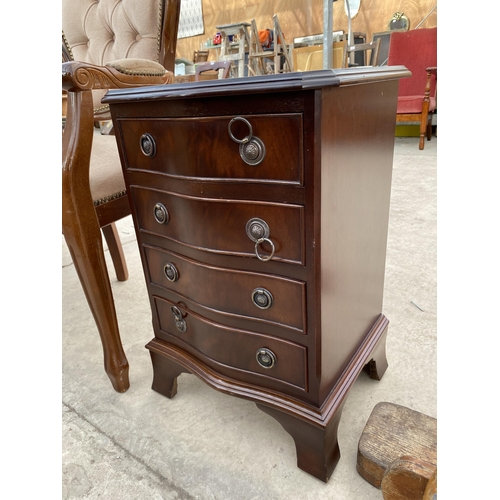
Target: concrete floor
205, 445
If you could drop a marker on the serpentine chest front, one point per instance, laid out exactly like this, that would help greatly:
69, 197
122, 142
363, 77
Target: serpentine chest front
261, 211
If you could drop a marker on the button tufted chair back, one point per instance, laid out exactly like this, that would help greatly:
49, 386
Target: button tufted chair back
100, 31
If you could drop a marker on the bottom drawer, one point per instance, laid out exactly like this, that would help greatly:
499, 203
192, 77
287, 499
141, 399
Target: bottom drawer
239, 350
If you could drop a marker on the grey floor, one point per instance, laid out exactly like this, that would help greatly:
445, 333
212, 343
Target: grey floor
206, 445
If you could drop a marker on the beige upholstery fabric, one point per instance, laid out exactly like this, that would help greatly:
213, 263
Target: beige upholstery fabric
106, 177
101, 111
138, 67
129, 67
101, 31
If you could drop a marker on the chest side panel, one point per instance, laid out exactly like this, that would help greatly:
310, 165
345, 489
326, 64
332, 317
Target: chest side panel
357, 146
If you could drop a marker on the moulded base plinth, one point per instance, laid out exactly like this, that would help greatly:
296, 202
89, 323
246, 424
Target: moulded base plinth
314, 430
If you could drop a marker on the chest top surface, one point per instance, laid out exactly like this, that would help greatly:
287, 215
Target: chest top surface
259, 84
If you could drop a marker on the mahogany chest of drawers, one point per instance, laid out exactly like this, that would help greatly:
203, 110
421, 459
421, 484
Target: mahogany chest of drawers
261, 210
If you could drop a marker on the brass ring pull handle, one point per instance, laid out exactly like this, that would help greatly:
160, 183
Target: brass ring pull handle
161, 214
148, 145
258, 231
261, 257
171, 272
250, 130
252, 149
265, 357
262, 298
180, 323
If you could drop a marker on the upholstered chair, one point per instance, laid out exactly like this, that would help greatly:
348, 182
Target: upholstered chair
417, 98
108, 44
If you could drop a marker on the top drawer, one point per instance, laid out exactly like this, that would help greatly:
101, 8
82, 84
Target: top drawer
256, 148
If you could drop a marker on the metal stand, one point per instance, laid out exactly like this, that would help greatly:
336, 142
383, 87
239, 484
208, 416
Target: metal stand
327, 34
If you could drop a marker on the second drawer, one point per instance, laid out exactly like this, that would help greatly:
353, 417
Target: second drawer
223, 226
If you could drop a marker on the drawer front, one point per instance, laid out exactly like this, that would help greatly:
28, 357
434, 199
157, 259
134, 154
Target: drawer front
220, 226
203, 147
254, 296
240, 350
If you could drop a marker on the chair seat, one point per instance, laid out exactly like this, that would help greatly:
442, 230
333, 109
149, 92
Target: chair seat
106, 177
101, 111
413, 104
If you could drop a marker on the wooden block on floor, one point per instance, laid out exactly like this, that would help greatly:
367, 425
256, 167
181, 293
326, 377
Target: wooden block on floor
393, 432
430, 492
407, 478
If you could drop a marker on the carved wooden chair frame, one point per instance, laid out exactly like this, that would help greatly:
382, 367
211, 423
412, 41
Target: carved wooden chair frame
83, 218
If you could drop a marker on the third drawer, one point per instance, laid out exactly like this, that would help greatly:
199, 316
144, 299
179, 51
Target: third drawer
256, 296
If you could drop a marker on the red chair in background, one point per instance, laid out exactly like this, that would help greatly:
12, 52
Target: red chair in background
417, 50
